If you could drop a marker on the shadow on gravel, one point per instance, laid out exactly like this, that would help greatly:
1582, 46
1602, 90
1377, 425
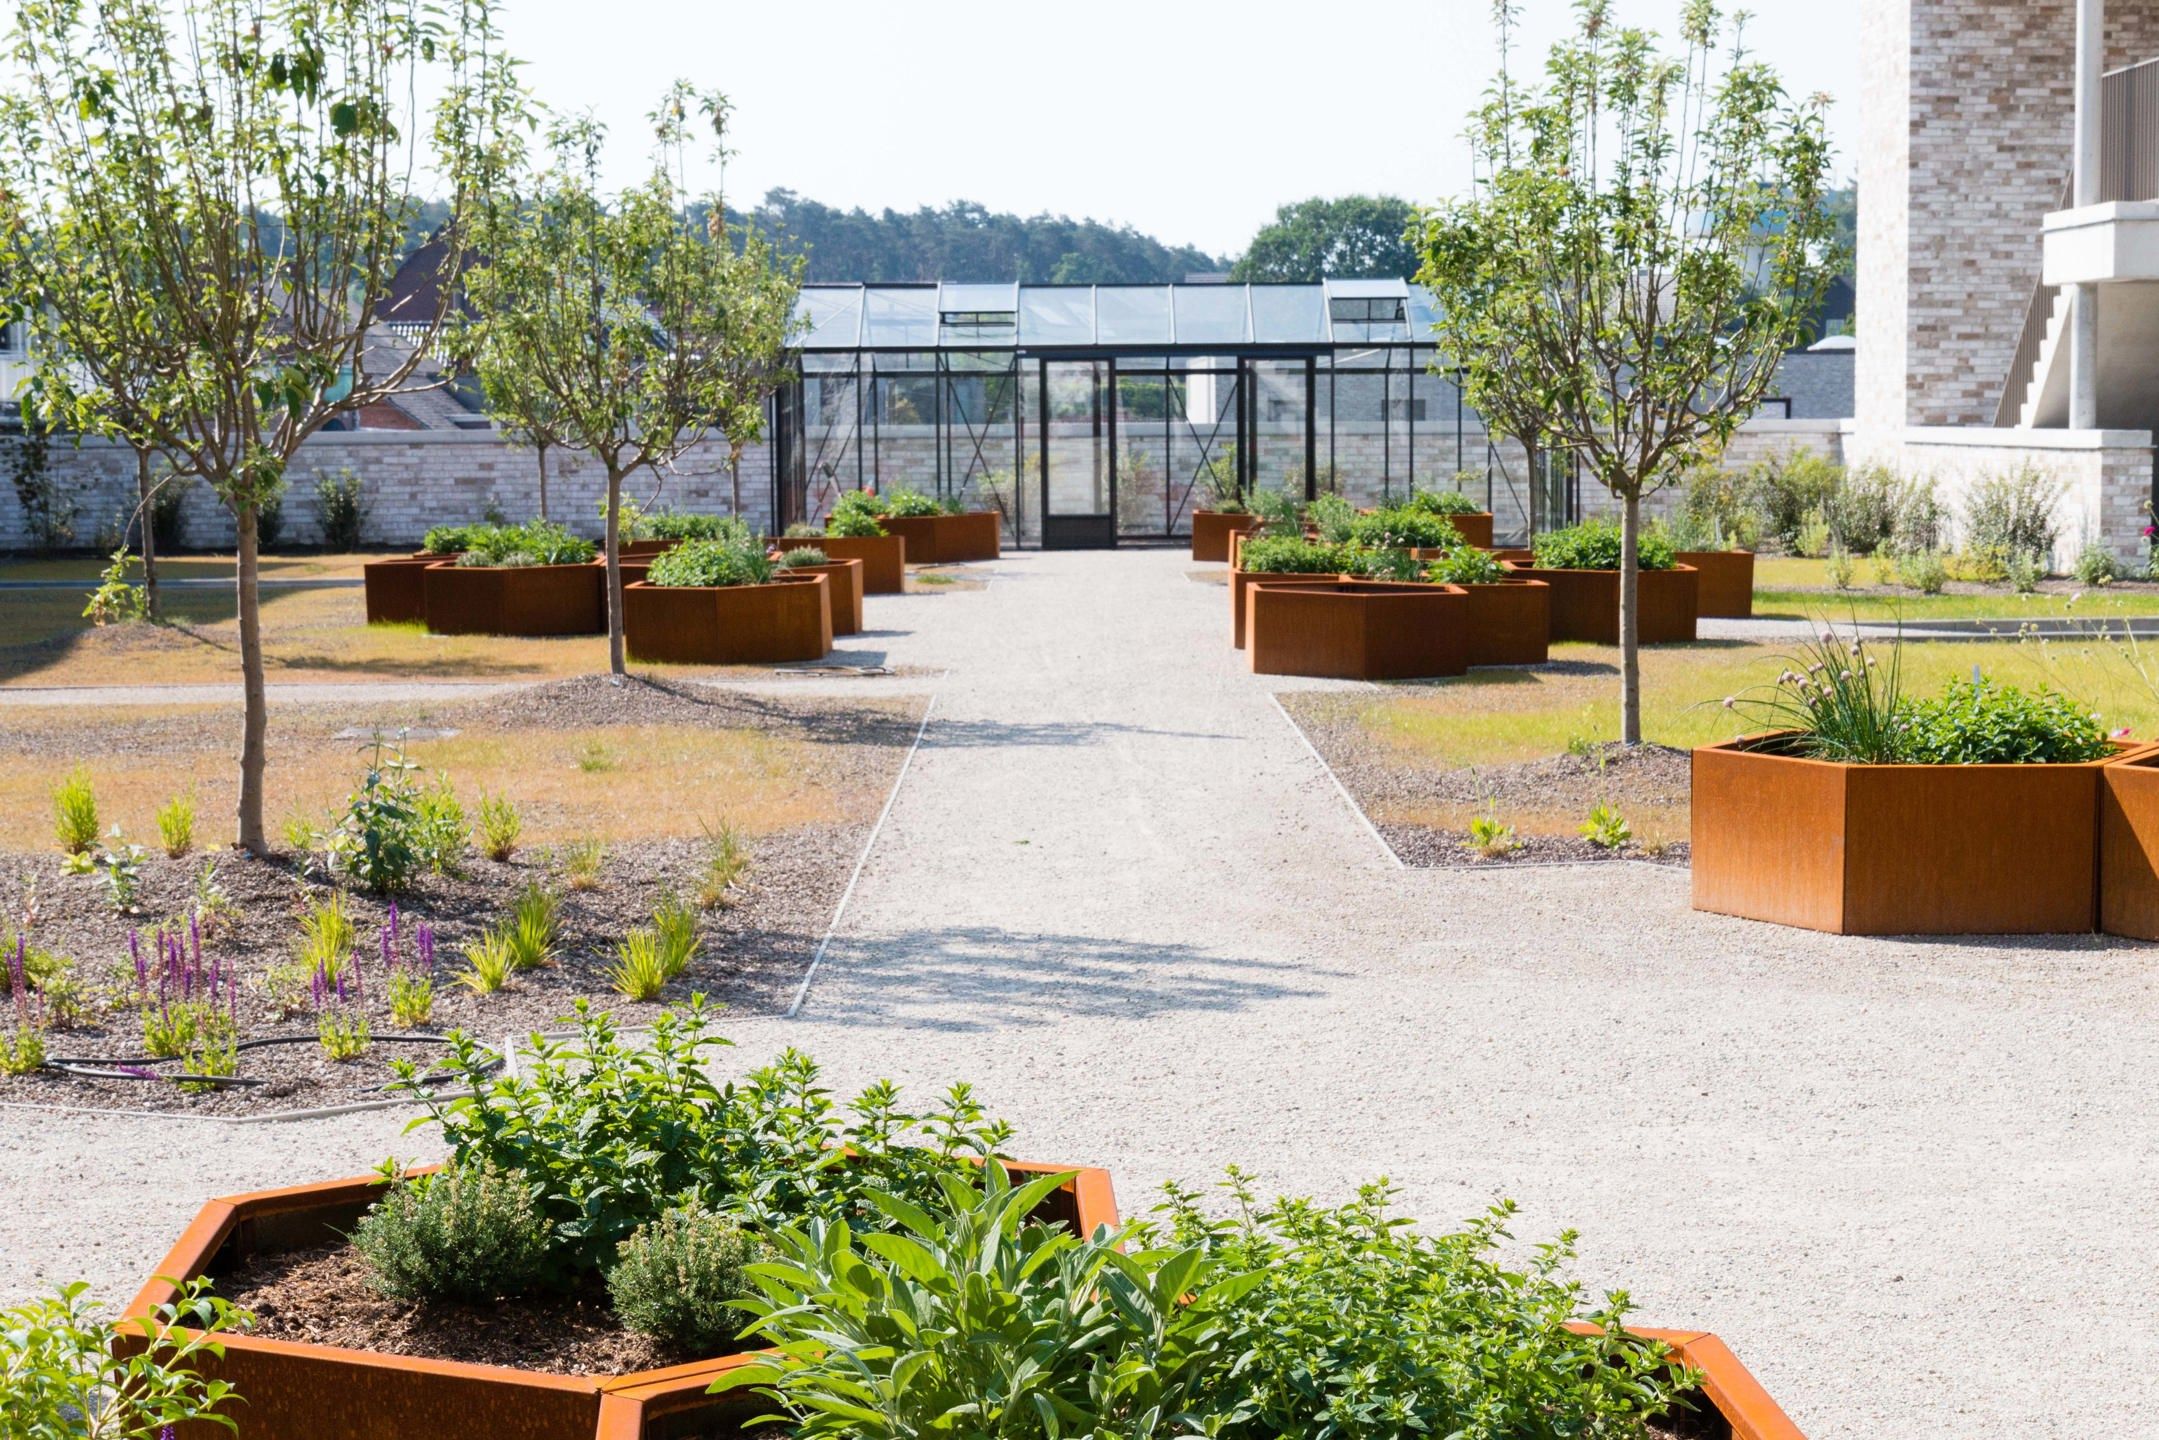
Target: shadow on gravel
995, 734
982, 978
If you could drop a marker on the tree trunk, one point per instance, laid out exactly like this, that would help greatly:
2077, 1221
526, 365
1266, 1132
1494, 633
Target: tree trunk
145, 522
543, 481
614, 578
255, 718
734, 476
1630, 629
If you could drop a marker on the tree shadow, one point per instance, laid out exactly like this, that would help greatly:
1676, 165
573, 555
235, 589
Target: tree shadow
982, 978
946, 734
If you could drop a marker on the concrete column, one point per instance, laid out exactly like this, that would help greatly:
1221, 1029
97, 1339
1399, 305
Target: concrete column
2084, 190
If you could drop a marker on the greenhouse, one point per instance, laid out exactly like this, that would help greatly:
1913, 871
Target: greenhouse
1094, 415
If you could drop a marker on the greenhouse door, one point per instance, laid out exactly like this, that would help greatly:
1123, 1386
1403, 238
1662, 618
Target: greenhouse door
1079, 488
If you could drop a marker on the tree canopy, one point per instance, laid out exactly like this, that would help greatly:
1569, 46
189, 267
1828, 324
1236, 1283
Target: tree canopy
1355, 237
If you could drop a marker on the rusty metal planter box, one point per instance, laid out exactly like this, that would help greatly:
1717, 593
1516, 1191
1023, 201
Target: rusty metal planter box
949, 539
1510, 623
884, 559
788, 620
292, 1390
1725, 590
1358, 629
1475, 528
2129, 846
1895, 849
395, 589
516, 599
1585, 604
844, 583
1211, 530
1240, 586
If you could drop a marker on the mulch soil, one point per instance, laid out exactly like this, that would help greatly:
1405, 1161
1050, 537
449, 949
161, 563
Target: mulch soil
1383, 779
754, 948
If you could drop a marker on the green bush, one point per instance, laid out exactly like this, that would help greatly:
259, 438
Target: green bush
1280, 511
2096, 565
1595, 545
1984, 723
801, 530
2013, 512
905, 504
536, 542
1924, 571
341, 509
677, 525
74, 808
1786, 489
1726, 507
857, 516
800, 556
1405, 528
1290, 555
1862, 511
453, 539
1442, 502
64, 1372
391, 831
711, 562
1381, 564
676, 1280
1466, 566
468, 1233
176, 824
1332, 517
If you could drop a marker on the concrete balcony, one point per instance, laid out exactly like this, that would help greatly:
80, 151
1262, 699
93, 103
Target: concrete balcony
2101, 244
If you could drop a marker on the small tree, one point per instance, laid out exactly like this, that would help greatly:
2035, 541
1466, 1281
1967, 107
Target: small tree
761, 326
1648, 238
231, 179
613, 324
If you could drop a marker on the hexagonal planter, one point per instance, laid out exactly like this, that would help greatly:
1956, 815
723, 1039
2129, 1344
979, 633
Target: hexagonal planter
1211, 530
1358, 629
1510, 623
949, 539
395, 589
1240, 584
787, 620
2129, 846
1895, 849
1474, 527
844, 580
292, 1390
1737, 1408
533, 600
1585, 603
1725, 590
884, 559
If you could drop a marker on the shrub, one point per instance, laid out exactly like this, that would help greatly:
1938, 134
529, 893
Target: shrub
74, 806
176, 825
454, 539
440, 833
387, 836
500, 825
1364, 564
490, 960
168, 514
66, 1371
904, 504
677, 1278
1922, 521
537, 542
676, 525
1404, 528
1442, 502
340, 508
1726, 507
2012, 512
1982, 723
468, 1234
1595, 545
1924, 571
856, 516
1840, 570
2025, 572
711, 562
1813, 538
1290, 555
1789, 489
1332, 517
1466, 566
2096, 565
270, 520
1862, 512
1280, 511
800, 556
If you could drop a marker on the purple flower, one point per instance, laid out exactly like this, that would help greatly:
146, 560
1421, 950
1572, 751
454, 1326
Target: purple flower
393, 925
425, 940
15, 972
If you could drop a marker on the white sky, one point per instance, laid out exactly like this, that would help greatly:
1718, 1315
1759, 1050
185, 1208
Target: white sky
1188, 121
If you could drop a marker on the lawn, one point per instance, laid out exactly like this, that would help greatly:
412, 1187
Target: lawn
1790, 586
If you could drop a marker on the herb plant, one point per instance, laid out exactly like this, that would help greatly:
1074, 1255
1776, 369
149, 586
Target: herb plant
537, 542
904, 503
489, 963
500, 826
677, 1279
1595, 545
467, 1233
452, 539
1331, 516
1290, 555
726, 858
800, 556
856, 516
1385, 564
1405, 528
1280, 512
711, 563
535, 923
1442, 502
1490, 837
581, 862
679, 525
1979, 722
640, 968
1606, 828
74, 805
176, 824
1466, 566
65, 1375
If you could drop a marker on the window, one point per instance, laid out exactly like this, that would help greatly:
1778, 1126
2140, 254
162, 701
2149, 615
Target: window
1367, 309
978, 324
11, 338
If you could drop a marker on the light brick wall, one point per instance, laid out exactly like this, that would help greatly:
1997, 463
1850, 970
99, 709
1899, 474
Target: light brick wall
2106, 476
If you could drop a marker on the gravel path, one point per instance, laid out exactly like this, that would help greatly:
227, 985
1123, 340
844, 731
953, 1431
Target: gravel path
1909, 1183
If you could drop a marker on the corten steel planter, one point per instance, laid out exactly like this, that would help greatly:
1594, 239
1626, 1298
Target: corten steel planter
1241, 582
516, 599
1212, 529
2129, 846
1725, 590
396, 588
787, 620
884, 559
949, 539
1510, 623
1896, 849
1732, 1404
292, 1390
1585, 603
1358, 630
844, 581
1475, 528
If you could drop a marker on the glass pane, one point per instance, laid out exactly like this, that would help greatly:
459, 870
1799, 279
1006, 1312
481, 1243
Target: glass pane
1078, 481
1211, 315
894, 316
1278, 424
1132, 314
1423, 313
1203, 438
1057, 315
1288, 314
1145, 418
834, 315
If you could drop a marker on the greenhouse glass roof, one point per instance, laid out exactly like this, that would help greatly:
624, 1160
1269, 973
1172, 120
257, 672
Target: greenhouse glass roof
952, 316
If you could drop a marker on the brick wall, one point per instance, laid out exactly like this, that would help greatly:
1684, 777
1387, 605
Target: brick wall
2106, 476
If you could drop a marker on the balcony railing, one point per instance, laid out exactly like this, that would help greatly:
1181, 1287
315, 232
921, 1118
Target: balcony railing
2129, 133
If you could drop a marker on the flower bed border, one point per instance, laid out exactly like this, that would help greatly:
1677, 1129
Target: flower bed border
527, 600
884, 558
1510, 622
781, 622
843, 580
1585, 603
1211, 530
394, 588
1896, 849
1241, 581
949, 539
1358, 630
1726, 588
292, 1388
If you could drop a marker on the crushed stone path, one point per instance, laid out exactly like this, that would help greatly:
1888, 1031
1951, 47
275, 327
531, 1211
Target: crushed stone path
1117, 893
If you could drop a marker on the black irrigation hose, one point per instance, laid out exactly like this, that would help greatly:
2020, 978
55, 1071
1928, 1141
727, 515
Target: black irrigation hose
258, 1044
91, 1068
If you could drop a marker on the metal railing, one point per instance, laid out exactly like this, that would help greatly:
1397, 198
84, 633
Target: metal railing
2038, 309
2129, 133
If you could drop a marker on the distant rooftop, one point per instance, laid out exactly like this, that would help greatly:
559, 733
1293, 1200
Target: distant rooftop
1143, 319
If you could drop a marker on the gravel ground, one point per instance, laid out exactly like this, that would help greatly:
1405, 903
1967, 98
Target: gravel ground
1117, 893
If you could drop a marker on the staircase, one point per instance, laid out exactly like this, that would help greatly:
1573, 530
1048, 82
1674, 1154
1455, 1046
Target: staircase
2037, 392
